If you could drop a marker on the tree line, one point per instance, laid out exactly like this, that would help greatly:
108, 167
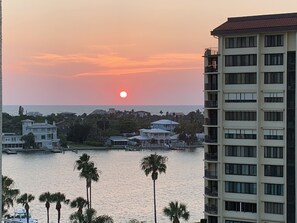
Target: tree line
152, 165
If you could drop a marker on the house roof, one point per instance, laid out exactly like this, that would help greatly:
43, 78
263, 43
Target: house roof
257, 24
118, 138
165, 122
154, 131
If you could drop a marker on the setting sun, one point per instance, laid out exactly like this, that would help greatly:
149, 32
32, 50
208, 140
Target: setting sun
123, 94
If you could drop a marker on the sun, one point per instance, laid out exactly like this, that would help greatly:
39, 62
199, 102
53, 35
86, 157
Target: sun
123, 94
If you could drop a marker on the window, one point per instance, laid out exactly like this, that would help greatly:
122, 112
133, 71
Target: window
248, 207
232, 206
273, 116
240, 206
274, 40
273, 208
274, 189
42, 136
240, 169
273, 171
240, 134
241, 78
240, 115
274, 59
274, 97
241, 151
273, 78
240, 97
241, 60
274, 134
239, 187
240, 42
273, 152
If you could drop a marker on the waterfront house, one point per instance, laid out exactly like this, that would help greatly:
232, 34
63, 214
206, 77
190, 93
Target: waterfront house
45, 133
117, 141
12, 141
164, 124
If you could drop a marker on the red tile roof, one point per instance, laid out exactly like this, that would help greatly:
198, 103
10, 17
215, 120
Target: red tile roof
256, 24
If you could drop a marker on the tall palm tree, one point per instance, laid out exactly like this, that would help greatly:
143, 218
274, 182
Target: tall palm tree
9, 194
80, 165
59, 198
154, 164
89, 216
175, 211
25, 199
46, 197
89, 172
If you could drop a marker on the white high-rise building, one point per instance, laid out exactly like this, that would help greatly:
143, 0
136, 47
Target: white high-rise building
250, 121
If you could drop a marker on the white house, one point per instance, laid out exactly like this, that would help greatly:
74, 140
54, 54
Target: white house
149, 137
164, 124
45, 133
12, 141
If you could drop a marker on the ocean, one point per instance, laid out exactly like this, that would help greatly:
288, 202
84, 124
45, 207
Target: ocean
80, 109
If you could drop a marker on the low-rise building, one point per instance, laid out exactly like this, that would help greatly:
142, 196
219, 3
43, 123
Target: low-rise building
164, 124
45, 133
117, 141
12, 141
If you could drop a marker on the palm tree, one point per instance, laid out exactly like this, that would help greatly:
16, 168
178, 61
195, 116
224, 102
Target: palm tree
154, 164
80, 165
9, 194
46, 197
89, 216
25, 199
59, 198
89, 172
175, 211
79, 203
103, 219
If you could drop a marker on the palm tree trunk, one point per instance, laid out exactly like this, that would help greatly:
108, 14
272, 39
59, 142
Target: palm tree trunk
90, 194
59, 215
47, 213
155, 209
87, 194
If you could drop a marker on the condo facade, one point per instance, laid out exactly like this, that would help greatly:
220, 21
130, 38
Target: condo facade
250, 113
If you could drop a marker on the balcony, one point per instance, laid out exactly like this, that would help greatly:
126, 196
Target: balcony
211, 69
211, 156
211, 209
210, 86
211, 104
211, 174
210, 139
211, 192
210, 121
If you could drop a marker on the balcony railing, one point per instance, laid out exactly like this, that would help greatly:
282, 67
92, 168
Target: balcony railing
211, 69
211, 174
210, 121
211, 104
211, 51
211, 192
210, 139
211, 156
210, 86
211, 209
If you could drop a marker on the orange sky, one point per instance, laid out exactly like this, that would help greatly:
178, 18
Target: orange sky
87, 51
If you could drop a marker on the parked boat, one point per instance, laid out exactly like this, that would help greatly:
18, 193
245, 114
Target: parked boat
19, 216
9, 151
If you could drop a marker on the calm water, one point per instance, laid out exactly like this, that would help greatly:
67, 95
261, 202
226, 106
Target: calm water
80, 109
122, 192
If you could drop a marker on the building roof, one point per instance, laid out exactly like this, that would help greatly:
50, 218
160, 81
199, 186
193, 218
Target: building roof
118, 138
257, 24
165, 122
154, 131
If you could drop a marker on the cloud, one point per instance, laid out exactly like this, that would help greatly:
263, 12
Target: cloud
79, 65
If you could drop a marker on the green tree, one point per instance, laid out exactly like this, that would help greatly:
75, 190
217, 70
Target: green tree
175, 211
79, 203
154, 164
89, 216
89, 172
9, 193
29, 141
59, 198
78, 133
46, 197
21, 111
25, 199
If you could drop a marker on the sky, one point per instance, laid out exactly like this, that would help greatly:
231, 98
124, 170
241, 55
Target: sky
85, 52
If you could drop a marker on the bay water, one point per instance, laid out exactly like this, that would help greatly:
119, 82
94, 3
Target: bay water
123, 191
